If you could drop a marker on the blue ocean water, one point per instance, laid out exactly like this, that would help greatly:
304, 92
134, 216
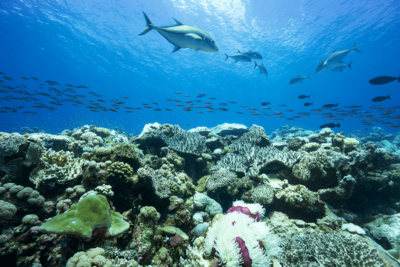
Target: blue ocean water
96, 44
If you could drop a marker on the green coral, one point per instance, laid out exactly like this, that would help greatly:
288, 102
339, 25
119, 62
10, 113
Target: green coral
201, 184
173, 230
120, 169
80, 220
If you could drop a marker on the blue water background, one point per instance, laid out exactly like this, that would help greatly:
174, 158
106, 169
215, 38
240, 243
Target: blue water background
96, 43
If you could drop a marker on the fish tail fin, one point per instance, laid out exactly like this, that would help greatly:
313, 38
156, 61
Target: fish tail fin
355, 48
350, 65
226, 56
309, 96
255, 64
388, 96
149, 25
338, 125
308, 76
398, 79
312, 103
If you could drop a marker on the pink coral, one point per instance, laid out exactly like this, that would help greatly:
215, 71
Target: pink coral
245, 210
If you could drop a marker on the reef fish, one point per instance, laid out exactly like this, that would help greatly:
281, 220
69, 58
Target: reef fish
299, 79
340, 67
265, 103
239, 57
183, 36
334, 58
251, 54
380, 98
303, 96
383, 80
330, 125
262, 69
330, 105
308, 104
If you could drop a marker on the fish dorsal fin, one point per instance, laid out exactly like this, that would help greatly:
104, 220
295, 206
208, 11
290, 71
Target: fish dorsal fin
194, 36
177, 22
333, 51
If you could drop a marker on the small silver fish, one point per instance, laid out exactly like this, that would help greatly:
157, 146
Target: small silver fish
262, 69
251, 54
299, 79
239, 57
340, 67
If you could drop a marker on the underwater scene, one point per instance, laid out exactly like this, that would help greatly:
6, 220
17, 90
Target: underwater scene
255, 133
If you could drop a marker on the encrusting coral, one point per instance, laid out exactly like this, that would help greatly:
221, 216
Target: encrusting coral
82, 218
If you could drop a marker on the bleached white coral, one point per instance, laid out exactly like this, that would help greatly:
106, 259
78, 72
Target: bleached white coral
351, 142
195, 255
222, 237
254, 208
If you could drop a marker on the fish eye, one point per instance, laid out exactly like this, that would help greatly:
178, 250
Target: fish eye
213, 41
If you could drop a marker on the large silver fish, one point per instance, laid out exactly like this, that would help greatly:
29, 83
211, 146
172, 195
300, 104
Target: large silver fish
251, 54
334, 58
299, 79
262, 69
340, 67
183, 36
239, 57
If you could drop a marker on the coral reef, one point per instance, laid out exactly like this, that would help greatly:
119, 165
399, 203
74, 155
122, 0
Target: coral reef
237, 239
185, 142
92, 196
92, 212
56, 167
329, 249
